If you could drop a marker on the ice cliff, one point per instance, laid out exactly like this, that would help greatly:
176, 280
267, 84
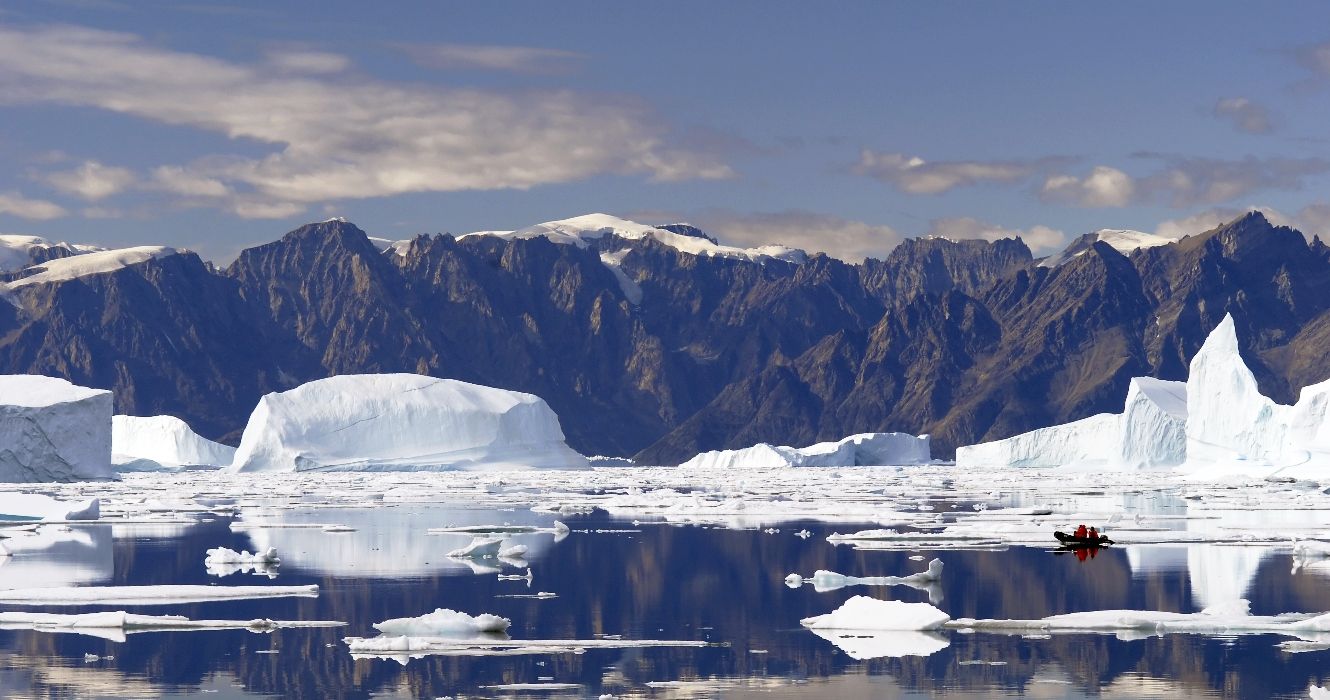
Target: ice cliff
52, 430
401, 422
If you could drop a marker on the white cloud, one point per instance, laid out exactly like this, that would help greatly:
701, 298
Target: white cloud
178, 180
512, 59
1316, 58
340, 136
1104, 187
91, 180
312, 62
1041, 239
1186, 182
915, 175
1244, 114
15, 204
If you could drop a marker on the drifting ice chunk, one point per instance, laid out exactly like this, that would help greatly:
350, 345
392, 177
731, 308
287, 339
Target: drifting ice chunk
115, 625
401, 422
162, 443
33, 506
480, 548
863, 450
830, 581
864, 613
443, 623
1232, 617
52, 430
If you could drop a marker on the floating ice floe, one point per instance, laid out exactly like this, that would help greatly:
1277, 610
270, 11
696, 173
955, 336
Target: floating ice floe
222, 555
479, 548
148, 595
401, 422
163, 443
53, 431
444, 623
866, 449
34, 506
1232, 617
115, 625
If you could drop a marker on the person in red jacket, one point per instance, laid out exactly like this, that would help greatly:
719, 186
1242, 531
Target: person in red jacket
1094, 534
1080, 530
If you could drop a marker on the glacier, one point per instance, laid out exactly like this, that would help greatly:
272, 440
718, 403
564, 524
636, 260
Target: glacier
52, 430
158, 443
401, 422
862, 450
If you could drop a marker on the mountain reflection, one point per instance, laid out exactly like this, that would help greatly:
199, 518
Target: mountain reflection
660, 582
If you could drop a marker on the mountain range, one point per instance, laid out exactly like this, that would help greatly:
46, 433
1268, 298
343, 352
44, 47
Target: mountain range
659, 342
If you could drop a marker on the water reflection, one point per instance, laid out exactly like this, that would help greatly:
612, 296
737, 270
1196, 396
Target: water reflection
57, 555
655, 582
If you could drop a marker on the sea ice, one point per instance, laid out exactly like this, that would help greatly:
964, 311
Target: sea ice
222, 555
479, 548
53, 431
115, 625
159, 443
401, 422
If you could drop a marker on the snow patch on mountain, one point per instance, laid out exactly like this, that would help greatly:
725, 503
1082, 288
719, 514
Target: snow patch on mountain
582, 230
1122, 240
94, 263
16, 251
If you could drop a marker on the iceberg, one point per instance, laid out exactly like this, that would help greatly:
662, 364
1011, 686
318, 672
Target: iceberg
862, 450
401, 422
52, 430
149, 595
1085, 441
162, 443
864, 613
222, 555
444, 623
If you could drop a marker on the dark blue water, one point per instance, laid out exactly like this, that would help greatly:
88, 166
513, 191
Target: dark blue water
663, 582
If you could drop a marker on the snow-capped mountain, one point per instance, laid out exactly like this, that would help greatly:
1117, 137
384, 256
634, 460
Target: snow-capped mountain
1122, 240
643, 346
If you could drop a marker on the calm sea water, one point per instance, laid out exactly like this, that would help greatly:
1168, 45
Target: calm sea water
652, 581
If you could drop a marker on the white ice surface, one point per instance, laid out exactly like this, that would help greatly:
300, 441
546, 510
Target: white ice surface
1123, 240
148, 595
866, 449
444, 623
55, 555
115, 625
98, 262
401, 422
166, 441
1086, 441
222, 555
35, 506
53, 431
16, 250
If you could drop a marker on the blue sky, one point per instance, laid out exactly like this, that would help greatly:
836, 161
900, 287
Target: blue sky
840, 127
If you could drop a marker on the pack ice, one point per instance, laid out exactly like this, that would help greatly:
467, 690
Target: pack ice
52, 430
158, 443
1216, 423
863, 450
401, 422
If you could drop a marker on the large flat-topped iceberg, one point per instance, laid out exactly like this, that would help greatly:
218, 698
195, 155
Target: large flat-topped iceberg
863, 450
90, 264
52, 430
401, 422
580, 230
162, 443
